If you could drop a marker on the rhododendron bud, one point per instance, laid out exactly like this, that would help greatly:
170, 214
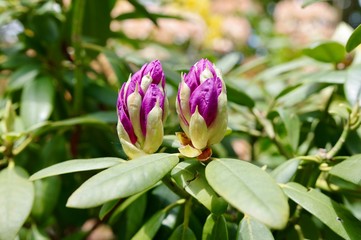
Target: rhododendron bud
142, 108
202, 108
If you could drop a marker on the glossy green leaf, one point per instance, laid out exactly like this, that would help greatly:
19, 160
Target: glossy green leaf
16, 200
181, 233
292, 125
215, 228
330, 52
284, 172
46, 196
236, 95
123, 180
249, 189
250, 229
349, 169
354, 40
37, 101
150, 228
352, 85
76, 165
335, 216
190, 176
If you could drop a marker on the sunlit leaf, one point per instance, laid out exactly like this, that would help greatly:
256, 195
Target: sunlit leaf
349, 169
215, 228
123, 180
354, 40
292, 125
335, 216
190, 176
352, 85
37, 101
16, 200
250, 229
330, 52
76, 165
284, 172
249, 189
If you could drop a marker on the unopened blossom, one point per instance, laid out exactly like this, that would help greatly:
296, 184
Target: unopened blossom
202, 108
142, 108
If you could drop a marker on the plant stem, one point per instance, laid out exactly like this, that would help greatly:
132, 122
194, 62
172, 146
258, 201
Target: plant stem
334, 150
269, 129
174, 188
76, 41
187, 214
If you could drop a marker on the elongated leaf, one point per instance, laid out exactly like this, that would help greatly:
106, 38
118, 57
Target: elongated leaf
349, 169
215, 228
284, 172
354, 40
76, 165
249, 189
190, 176
182, 234
236, 95
37, 101
22, 75
46, 196
16, 200
250, 229
335, 216
352, 85
292, 125
123, 180
150, 228
330, 52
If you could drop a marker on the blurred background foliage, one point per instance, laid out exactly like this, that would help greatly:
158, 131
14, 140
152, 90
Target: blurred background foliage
63, 62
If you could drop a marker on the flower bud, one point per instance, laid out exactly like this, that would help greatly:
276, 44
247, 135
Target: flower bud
142, 108
202, 107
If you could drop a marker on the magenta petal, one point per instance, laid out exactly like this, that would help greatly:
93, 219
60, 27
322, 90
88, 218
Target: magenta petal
206, 98
124, 119
151, 97
192, 79
203, 64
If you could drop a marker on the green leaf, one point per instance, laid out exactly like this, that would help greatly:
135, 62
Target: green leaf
352, 85
250, 229
249, 189
46, 196
76, 165
16, 200
150, 228
335, 216
123, 180
182, 233
329, 52
228, 62
135, 214
284, 172
215, 228
349, 169
354, 40
22, 76
190, 176
236, 95
292, 125
37, 101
